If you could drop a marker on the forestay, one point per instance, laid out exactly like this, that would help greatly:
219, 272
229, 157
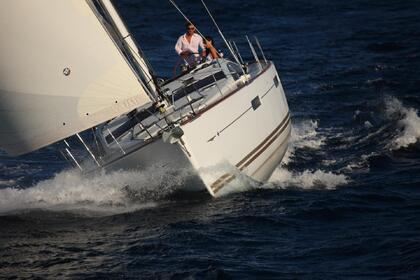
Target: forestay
60, 73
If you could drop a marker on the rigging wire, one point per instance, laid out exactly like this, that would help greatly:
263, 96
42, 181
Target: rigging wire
221, 34
185, 17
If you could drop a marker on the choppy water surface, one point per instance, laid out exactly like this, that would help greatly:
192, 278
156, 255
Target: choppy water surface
344, 204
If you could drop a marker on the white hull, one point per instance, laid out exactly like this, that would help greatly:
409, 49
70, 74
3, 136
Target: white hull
226, 137
155, 155
253, 141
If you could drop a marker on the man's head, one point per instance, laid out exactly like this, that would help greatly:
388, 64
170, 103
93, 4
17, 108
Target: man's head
190, 28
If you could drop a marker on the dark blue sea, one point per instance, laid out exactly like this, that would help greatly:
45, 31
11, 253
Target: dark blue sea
344, 204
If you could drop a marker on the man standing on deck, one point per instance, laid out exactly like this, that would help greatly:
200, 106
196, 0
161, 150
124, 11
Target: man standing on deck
188, 45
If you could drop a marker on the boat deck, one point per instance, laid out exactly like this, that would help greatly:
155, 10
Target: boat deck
188, 94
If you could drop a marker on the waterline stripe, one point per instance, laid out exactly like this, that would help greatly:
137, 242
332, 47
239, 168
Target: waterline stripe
248, 159
265, 140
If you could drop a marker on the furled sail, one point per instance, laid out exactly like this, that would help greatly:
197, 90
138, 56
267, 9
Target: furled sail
60, 73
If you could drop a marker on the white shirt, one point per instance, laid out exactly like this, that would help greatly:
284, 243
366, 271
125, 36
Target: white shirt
183, 45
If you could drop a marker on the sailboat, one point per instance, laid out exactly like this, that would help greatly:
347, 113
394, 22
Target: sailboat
67, 67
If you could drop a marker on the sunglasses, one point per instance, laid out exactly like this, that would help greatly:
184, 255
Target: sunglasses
190, 28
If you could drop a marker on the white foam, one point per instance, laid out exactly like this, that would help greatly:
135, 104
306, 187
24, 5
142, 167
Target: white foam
328, 162
108, 193
355, 166
356, 114
242, 183
7, 183
368, 124
307, 179
409, 123
361, 163
304, 135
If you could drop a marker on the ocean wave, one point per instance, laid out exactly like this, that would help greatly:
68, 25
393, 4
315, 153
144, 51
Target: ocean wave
116, 192
304, 135
307, 179
399, 127
408, 122
7, 183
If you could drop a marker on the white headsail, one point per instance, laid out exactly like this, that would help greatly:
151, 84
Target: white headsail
60, 73
128, 39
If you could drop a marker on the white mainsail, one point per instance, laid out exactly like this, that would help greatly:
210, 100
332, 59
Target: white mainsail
60, 73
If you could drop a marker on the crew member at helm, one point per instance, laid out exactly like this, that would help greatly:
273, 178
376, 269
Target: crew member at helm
188, 45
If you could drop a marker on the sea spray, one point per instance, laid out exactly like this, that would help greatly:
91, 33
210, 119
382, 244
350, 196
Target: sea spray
114, 192
307, 179
305, 134
408, 121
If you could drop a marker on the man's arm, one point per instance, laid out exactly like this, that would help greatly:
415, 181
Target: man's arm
213, 51
178, 46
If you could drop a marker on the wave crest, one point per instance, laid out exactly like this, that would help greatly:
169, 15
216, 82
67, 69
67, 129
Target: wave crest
116, 192
307, 179
409, 124
305, 135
